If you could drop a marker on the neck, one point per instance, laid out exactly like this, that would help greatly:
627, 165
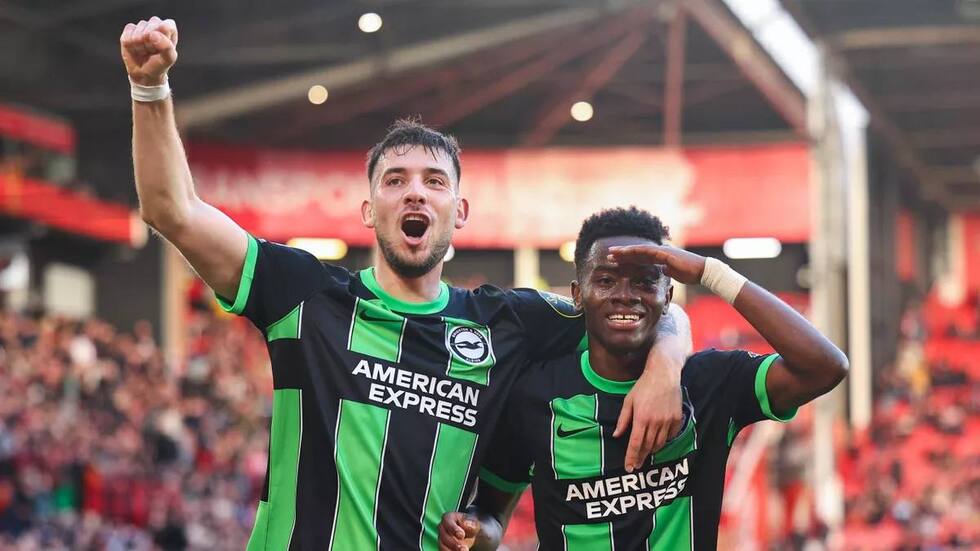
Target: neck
424, 288
614, 366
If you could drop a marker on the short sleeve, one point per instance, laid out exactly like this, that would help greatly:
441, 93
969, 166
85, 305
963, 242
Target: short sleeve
275, 279
736, 381
507, 466
553, 326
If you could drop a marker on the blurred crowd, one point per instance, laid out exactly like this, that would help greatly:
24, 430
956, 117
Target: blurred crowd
103, 446
912, 481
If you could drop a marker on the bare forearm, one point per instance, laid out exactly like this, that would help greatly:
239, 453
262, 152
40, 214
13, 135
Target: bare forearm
807, 355
163, 178
491, 531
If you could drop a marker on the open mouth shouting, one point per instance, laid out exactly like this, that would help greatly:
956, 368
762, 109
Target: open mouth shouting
414, 226
624, 321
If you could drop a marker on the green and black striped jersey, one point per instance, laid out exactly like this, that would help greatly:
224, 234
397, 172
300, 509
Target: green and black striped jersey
379, 405
557, 435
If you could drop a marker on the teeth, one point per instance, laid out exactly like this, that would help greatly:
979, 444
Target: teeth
624, 317
418, 217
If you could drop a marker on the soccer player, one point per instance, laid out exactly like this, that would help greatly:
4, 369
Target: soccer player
557, 427
387, 382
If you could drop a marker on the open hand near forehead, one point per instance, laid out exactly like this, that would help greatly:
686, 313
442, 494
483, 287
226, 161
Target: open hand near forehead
680, 265
149, 50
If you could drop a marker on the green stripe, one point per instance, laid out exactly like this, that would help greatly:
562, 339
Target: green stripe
588, 537
762, 392
578, 455
459, 367
245, 283
672, 523
361, 433
286, 328
256, 541
274, 521
672, 526
376, 331
732, 431
449, 468
431, 307
499, 483
678, 446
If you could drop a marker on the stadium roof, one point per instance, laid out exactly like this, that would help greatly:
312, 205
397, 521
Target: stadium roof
495, 72
915, 64
504, 72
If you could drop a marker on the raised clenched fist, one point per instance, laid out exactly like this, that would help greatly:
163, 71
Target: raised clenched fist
149, 50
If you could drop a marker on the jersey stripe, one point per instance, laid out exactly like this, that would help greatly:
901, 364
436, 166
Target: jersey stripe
673, 523
576, 437
577, 453
594, 537
288, 327
284, 454
448, 471
361, 434
376, 331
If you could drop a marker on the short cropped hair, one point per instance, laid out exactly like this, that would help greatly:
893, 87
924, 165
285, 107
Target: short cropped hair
408, 133
614, 223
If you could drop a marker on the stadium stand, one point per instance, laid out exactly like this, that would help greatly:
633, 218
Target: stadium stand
912, 481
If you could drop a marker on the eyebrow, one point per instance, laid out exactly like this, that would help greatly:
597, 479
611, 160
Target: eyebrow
399, 170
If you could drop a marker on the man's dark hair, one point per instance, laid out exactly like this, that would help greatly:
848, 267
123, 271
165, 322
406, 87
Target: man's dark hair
408, 133
613, 223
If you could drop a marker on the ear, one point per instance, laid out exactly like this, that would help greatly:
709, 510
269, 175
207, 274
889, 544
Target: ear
367, 214
577, 295
462, 212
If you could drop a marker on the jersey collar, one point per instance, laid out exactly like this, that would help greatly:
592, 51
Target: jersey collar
602, 383
431, 307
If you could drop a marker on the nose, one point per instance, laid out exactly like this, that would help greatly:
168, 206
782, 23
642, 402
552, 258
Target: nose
623, 293
415, 191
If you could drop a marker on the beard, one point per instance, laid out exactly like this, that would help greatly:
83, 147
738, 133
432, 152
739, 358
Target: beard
411, 268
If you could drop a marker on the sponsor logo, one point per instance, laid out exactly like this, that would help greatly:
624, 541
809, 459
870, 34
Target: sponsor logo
562, 433
367, 317
469, 345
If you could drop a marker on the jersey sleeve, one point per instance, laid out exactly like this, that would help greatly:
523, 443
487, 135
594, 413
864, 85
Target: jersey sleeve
508, 462
734, 380
553, 326
275, 279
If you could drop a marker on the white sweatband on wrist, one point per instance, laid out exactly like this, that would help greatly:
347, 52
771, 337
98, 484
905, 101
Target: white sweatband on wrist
150, 93
721, 279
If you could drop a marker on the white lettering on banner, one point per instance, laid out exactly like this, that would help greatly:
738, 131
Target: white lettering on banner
441, 398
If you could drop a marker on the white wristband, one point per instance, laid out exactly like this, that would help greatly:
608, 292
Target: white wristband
721, 279
150, 93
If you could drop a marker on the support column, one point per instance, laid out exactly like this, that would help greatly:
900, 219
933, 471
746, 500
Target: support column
827, 291
527, 269
173, 305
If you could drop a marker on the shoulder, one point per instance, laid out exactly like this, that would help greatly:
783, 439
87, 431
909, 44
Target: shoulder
546, 378
534, 300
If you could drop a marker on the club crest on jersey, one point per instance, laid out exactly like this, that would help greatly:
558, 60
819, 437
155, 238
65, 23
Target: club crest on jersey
565, 306
469, 345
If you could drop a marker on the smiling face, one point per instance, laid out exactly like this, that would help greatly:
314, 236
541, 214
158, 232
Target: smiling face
414, 208
622, 303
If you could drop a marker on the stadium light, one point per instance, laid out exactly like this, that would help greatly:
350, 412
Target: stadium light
582, 111
450, 254
369, 22
567, 251
752, 247
317, 94
322, 248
